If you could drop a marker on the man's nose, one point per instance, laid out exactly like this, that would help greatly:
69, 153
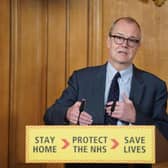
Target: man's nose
125, 43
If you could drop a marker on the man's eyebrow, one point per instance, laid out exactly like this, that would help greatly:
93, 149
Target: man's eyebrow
123, 35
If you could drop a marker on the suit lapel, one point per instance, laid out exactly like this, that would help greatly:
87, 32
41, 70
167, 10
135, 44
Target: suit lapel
137, 86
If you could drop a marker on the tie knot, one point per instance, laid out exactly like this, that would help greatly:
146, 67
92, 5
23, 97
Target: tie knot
117, 75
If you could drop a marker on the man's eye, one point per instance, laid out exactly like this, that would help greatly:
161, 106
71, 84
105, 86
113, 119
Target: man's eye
119, 38
133, 40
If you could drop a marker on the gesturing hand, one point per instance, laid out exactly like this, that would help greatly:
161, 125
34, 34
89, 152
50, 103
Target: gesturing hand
125, 110
73, 115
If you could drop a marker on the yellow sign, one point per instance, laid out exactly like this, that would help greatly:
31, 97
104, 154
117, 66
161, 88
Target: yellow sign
90, 144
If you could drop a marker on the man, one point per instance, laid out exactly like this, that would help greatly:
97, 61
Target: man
139, 97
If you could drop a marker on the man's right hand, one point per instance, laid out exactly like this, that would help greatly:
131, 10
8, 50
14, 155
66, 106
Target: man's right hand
73, 115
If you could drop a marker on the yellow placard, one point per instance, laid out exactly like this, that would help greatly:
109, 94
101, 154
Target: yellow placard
90, 144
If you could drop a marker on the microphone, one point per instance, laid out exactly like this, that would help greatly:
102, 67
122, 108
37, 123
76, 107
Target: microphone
82, 107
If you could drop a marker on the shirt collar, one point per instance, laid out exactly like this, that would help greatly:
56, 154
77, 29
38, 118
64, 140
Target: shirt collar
126, 74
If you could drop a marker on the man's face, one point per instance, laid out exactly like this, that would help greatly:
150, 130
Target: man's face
123, 43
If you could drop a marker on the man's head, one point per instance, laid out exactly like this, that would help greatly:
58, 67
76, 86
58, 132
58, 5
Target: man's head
123, 42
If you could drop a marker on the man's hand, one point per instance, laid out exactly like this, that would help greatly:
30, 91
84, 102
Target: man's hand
125, 110
85, 118
73, 115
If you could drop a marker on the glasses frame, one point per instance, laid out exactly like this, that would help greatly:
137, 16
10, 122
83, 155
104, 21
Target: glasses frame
129, 41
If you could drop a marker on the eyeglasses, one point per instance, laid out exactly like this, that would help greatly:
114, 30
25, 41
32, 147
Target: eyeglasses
120, 40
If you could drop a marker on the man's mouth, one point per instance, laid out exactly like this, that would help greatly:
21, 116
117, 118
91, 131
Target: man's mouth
123, 52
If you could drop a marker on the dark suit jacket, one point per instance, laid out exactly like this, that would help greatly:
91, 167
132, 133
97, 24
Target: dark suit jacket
148, 93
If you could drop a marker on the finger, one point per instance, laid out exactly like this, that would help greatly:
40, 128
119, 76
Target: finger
85, 119
77, 104
83, 122
109, 104
108, 110
85, 116
125, 98
119, 105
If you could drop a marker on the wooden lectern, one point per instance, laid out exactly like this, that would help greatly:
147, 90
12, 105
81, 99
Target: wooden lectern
161, 148
95, 144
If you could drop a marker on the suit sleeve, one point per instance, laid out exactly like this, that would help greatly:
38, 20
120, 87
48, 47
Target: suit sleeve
56, 114
159, 117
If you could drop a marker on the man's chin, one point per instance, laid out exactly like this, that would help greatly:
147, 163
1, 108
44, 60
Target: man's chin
124, 63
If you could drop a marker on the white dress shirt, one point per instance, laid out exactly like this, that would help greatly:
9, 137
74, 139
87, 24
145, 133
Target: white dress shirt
124, 82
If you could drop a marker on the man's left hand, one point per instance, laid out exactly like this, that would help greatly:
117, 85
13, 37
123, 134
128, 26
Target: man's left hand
125, 110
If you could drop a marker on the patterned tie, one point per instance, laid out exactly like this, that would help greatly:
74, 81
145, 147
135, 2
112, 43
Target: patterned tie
113, 96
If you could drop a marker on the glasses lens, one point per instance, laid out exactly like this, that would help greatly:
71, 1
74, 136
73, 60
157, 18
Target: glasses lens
118, 39
132, 42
